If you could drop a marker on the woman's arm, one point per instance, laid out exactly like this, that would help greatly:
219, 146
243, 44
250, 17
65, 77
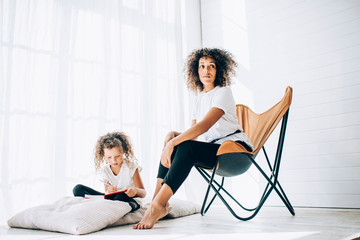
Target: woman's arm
170, 136
193, 122
174, 134
139, 189
213, 115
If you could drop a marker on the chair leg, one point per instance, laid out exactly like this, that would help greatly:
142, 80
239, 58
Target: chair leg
270, 186
203, 211
230, 208
211, 182
207, 178
286, 202
281, 194
215, 195
275, 170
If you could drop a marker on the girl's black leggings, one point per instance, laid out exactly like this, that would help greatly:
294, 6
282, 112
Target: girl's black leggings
80, 191
185, 156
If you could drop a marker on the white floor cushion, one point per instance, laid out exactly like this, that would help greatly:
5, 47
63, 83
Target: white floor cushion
73, 215
77, 215
178, 208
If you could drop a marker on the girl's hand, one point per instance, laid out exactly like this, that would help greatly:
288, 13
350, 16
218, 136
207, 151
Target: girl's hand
166, 154
111, 189
131, 192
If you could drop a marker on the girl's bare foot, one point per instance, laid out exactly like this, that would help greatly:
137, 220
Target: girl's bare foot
155, 212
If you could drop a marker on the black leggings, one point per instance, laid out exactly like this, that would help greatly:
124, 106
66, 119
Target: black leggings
80, 191
185, 156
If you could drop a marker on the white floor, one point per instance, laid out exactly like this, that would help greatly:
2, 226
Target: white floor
218, 223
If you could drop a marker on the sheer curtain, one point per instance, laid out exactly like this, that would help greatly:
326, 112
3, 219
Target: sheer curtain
72, 70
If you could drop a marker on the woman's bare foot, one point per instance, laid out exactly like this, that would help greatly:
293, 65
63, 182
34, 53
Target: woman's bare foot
155, 212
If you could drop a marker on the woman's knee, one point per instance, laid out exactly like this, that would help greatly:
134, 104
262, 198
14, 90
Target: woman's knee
186, 146
185, 152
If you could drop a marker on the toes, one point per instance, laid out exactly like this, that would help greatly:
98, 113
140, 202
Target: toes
140, 226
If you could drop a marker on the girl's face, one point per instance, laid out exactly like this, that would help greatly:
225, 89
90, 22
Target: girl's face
207, 72
113, 156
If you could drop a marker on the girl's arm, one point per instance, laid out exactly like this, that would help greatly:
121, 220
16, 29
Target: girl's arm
109, 188
213, 115
139, 189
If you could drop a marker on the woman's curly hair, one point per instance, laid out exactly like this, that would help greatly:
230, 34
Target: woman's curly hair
111, 140
225, 67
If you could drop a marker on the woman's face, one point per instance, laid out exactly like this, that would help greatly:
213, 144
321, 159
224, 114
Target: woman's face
207, 73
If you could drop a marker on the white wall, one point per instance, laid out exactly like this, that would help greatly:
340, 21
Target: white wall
313, 46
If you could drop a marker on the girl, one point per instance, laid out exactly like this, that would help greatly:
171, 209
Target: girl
213, 118
120, 172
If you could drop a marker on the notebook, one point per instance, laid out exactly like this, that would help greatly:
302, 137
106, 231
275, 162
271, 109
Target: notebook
119, 195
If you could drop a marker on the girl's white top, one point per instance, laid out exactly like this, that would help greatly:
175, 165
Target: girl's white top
123, 180
222, 98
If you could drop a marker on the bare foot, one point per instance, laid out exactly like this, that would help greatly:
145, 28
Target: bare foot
152, 215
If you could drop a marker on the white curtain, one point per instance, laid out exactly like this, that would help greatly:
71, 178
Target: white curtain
72, 70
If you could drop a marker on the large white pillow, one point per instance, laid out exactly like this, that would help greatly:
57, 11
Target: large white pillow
77, 215
178, 208
73, 215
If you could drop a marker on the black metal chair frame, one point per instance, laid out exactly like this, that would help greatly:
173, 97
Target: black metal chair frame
272, 180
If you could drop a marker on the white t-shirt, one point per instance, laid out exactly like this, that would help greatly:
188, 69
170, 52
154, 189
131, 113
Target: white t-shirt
123, 180
222, 98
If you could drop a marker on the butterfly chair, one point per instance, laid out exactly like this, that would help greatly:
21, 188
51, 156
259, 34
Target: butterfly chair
233, 159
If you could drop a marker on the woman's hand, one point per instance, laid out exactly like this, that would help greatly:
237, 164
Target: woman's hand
166, 154
131, 192
170, 136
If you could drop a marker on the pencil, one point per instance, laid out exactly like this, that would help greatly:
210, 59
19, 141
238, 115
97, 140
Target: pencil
105, 182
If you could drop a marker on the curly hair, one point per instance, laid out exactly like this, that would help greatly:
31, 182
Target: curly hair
111, 140
225, 67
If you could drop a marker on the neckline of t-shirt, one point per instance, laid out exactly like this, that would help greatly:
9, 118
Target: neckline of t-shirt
211, 91
121, 167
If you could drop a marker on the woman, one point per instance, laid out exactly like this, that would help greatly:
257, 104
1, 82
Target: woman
214, 119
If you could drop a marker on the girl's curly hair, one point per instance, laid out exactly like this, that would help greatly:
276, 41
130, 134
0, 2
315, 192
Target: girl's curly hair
111, 140
225, 67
